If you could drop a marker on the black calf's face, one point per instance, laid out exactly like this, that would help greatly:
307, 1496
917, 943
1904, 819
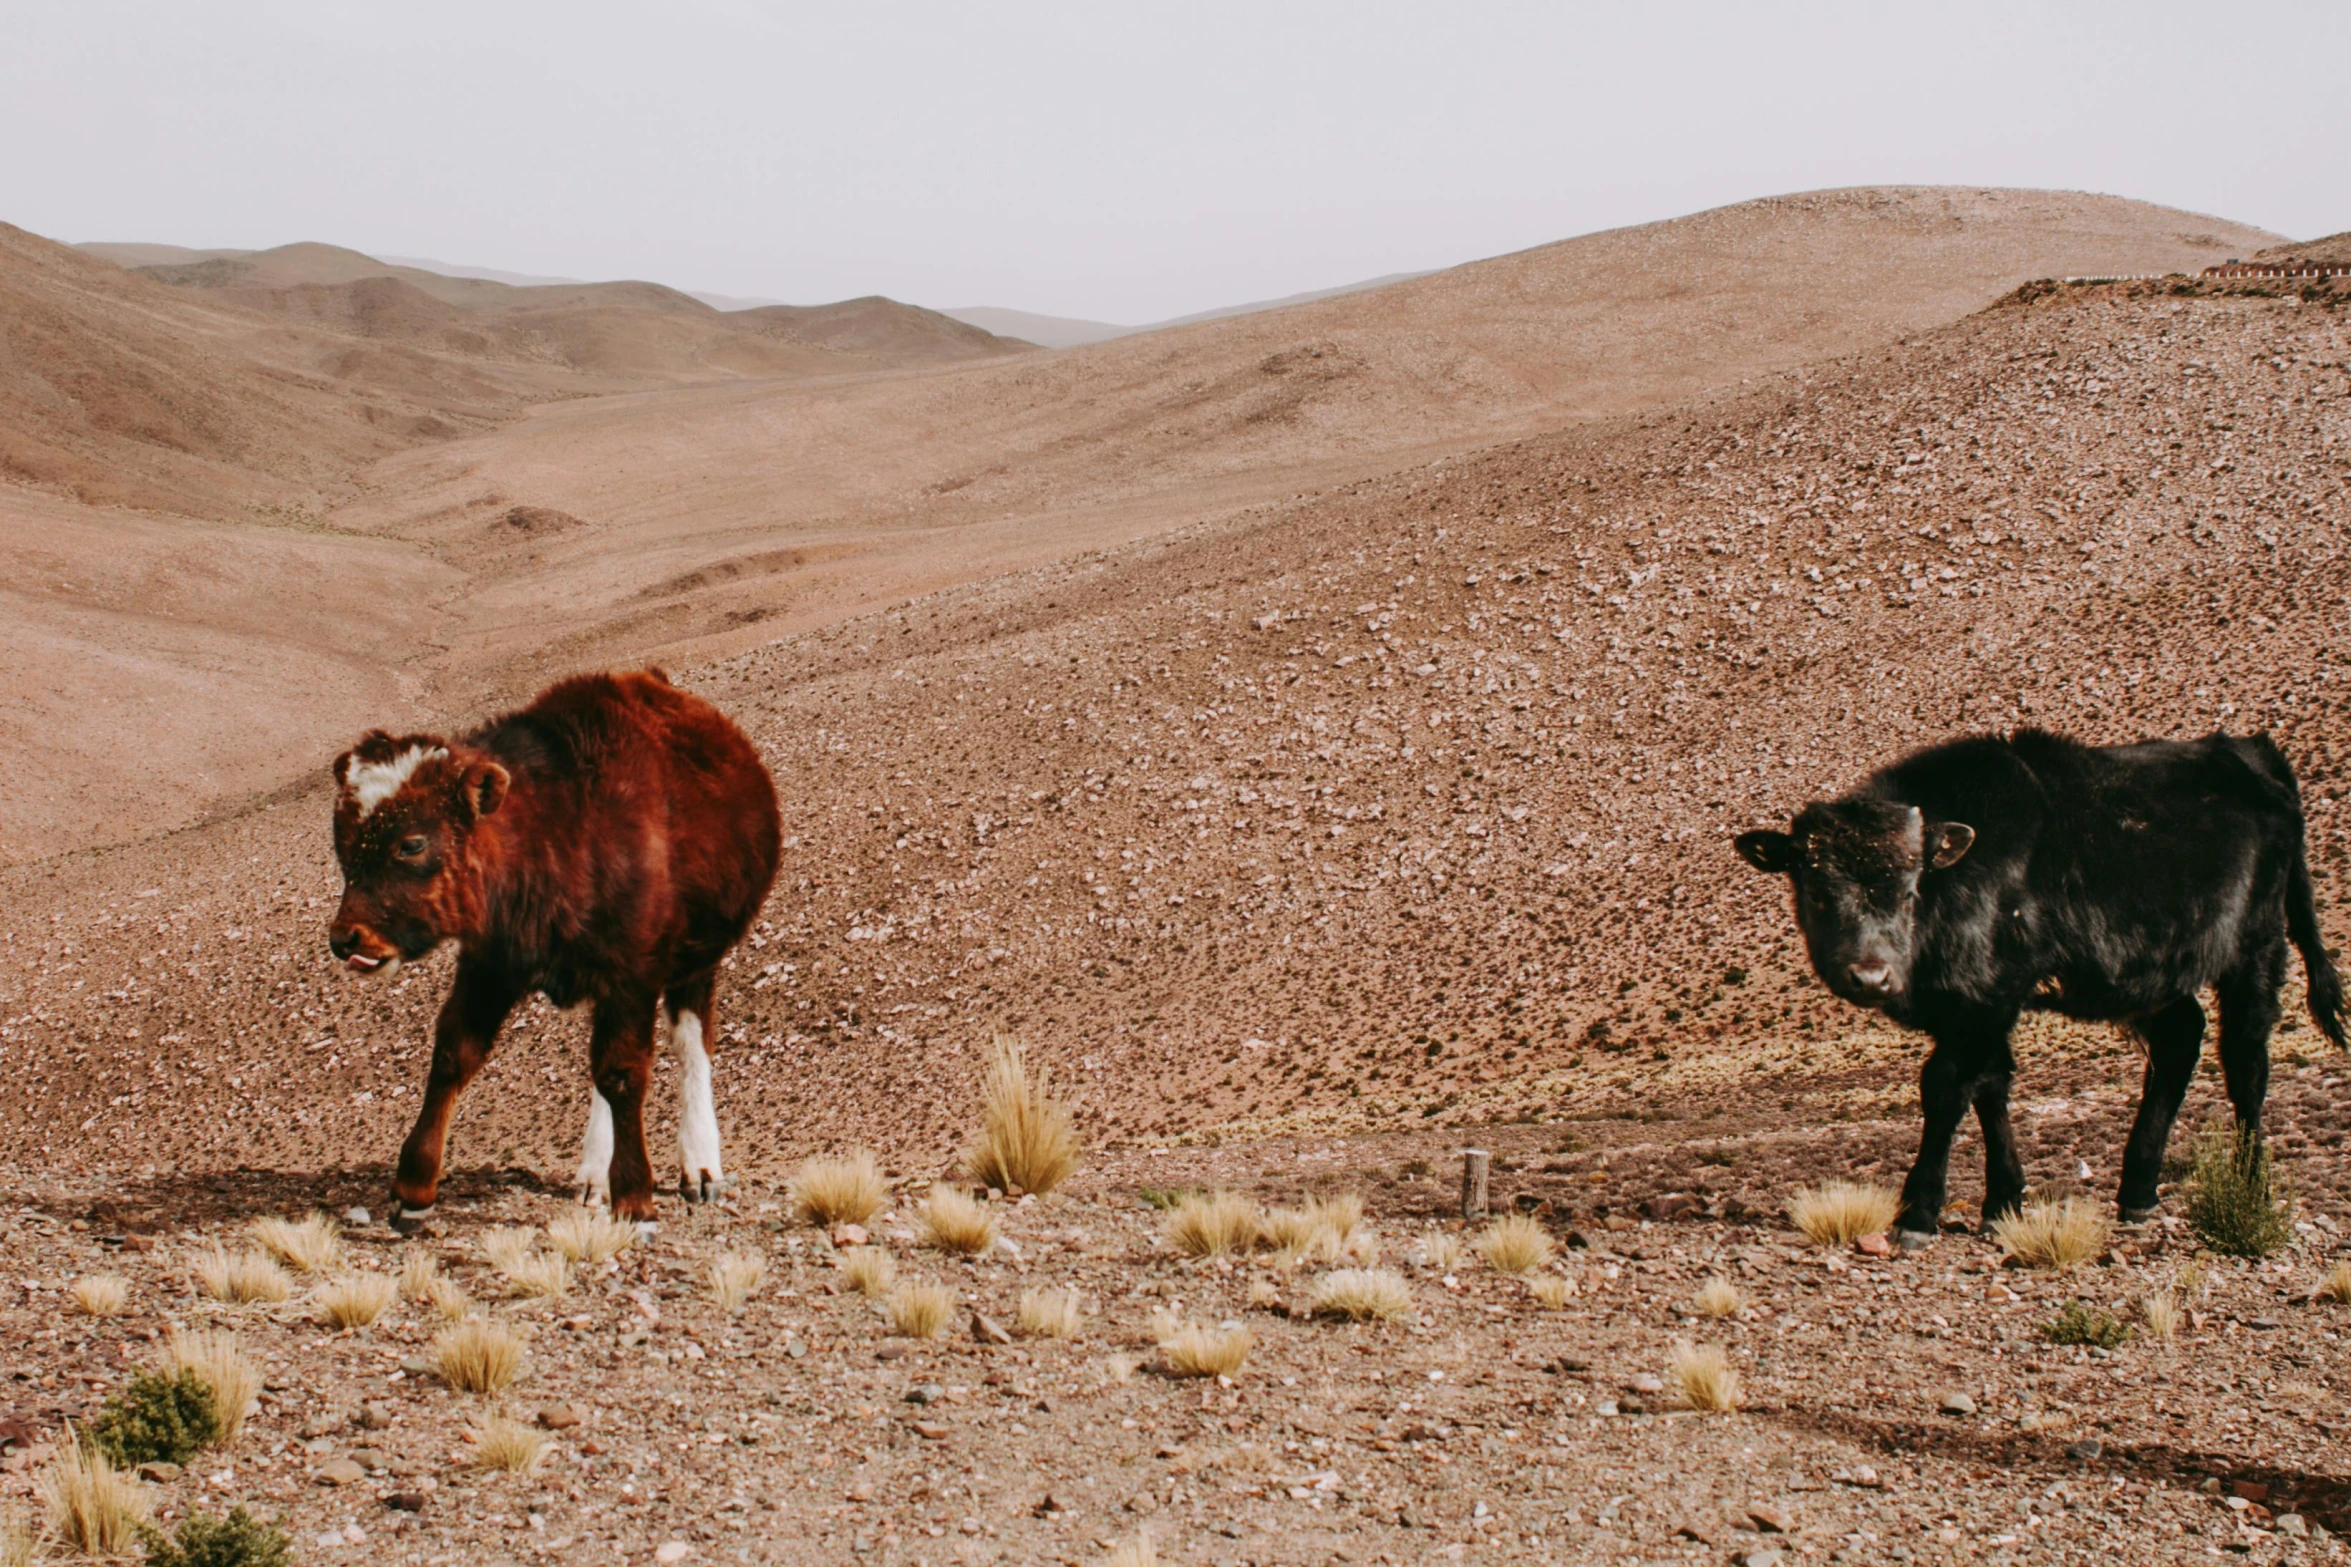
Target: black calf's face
1855, 867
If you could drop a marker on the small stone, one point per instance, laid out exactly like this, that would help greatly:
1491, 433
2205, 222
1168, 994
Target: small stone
797, 1348
1767, 1557
558, 1417
988, 1330
159, 1471
2262, 1324
1606, 1406
371, 1458
1670, 1206
672, 1551
1958, 1404
405, 1501
1646, 1383
890, 1352
340, 1471
417, 1367
1874, 1245
375, 1417
320, 1425
2086, 1449
930, 1432
2250, 1490
925, 1393
850, 1235
1577, 1240
1867, 1478
1699, 1532
2291, 1523
358, 1218
1770, 1519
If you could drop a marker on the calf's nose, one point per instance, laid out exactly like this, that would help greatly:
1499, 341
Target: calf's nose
1871, 974
342, 943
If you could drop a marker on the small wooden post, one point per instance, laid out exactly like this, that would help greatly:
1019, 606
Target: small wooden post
1475, 1162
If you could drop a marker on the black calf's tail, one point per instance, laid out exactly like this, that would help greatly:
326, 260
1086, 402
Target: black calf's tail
2325, 985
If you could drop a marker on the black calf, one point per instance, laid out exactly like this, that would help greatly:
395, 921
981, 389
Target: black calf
1972, 882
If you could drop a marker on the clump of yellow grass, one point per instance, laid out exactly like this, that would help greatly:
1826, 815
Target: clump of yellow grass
509, 1445
1027, 1140
1441, 1253
920, 1310
93, 1507
244, 1279
847, 1190
589, 1236
1838, 1213
869, 1270
2055, 1235
2161, 1314
1194, 1351
102, 1294
1362, 1295
1048, 1314
311, 1245
1515, 1243
1702, 1377
1718, 1297
735, 1278
420, 1270
1217, 1225
1551, 1292
2336, 1286
449, 1300
1137, 1552
221, 1364
356, 1299
478, 1355
952, 1221
528, 1271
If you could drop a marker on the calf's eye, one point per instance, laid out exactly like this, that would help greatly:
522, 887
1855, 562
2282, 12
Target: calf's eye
412, 847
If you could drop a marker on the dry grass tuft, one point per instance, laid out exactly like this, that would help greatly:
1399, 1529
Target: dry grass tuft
1341, 1215
1362, 1295
420, 1270
527, 1270
478, 1355
94, 1508
2336, 1286
1718, 1297
1838, 1213
869, 1270
920, 1310
18, 1548
1137, 1552
222, 1365
356, 1299
313, 1245
838, 1191
952, 1221
1701, 1376
2058, 1235
1217, 1225
1048, 1314
1515, 1243
1551, 1292
450, 1301
1027, 1141
735, 1278
102, 1294
1441, 1253
509, 1445
2161, 1313
248, 1278
589, 1236
1193, 1351
1292, 1233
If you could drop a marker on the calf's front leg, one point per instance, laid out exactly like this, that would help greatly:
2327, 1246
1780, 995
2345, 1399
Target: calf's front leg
463, 1037
1943, 1098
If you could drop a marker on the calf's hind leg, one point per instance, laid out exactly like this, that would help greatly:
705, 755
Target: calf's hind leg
621, 1062
2174, 1033
2248, 1011
701, 1177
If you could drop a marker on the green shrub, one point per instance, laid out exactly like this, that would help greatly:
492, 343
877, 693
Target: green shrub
155, 1419
205, 1541
2080, 1324
2236, 1201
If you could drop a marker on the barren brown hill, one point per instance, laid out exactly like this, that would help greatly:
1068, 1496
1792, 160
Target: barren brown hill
2332, 251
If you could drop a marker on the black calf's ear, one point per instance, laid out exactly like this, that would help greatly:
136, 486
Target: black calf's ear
485, 787
1767, 851
1948, 843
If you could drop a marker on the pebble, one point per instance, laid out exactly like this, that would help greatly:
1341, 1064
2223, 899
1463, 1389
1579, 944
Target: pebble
850, 1235
2087, 1448
925, 1393
672, 1551
340, 1471
930, 1432
159, 1471
358, 1218
1647, 1384
2291, 1523
988, 1330
558, 1417
371, 1458
1958, 1404
405, 1501
375, 1417
1770, 1519
1874, 1245
1764, 1558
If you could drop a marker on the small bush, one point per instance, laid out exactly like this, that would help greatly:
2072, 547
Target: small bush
2237, 1203
869, 1270
1217, 1225
2336, 1286
1027, 1141
735, 1278
1551, 1292
952, 1221
920, 1310
356, 1299
527, 1270
1702, 1377
2056, 1235
478, 1355
838, 1191
101, 1294
2084, 1324
1515, 1243
1441, 1253
450, 1301
1718, 1297
248, 1278
93, 1507
508, 1445
206, 1541
589, 1236
1204, 1352
1838, 1213
420, 1270
1048, 1313
311, 1246
2161, 1313
224, 1367
18, 1547
155, 1418
1362, 1295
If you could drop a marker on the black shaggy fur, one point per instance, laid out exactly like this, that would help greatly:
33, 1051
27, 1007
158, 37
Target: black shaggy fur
2104, 882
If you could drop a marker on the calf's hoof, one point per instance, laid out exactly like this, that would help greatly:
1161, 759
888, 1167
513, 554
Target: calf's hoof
702, 1186
2124, 1213
1913, 1240
410, 1221
594, 1194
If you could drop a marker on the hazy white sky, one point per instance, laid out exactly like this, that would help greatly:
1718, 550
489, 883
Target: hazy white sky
1123, 162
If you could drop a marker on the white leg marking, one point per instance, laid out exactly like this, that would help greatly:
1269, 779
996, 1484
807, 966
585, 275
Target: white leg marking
700, 1175
596, 1153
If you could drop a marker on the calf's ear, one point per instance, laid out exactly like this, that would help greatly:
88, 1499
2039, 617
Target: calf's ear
1947, 843
484, 788
1767, 851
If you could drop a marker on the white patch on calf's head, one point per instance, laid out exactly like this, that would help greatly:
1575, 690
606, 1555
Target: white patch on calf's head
370, 784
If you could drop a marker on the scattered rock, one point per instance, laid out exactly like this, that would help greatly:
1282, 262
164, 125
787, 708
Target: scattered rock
358, 1218
850, 1235
340, 1471
558, 1417
988, 1330
159, 1471
1769, 1556
1672, 1205
1699, 1532
673, 1551
371, 1458
2250, 1490
930, 1432
2086, 1449
375, 1417
319, 1425
405, 1501
1647, 1384
1874, 1245
925, 1393
2291, 1523
1958, 1404
1770, 1519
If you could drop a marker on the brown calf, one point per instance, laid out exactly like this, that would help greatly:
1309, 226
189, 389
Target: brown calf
606, 844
